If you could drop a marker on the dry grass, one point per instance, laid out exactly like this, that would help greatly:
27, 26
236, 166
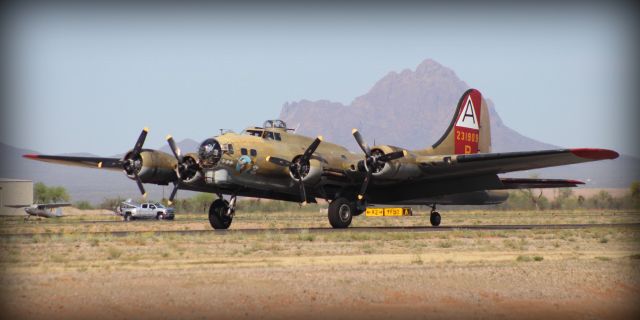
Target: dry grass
397, 260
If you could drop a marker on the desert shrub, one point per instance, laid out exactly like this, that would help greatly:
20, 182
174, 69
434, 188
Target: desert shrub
44, 194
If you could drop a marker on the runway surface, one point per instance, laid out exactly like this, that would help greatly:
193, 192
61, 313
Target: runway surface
352, 229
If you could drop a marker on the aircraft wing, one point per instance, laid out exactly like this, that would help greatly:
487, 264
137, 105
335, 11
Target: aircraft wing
437, 167
87, 162
54, 205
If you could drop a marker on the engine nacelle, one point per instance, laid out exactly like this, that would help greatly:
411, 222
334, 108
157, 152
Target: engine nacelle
311, 172
393, 170
152, 167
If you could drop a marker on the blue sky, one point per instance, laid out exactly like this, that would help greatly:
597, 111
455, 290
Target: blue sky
90, 78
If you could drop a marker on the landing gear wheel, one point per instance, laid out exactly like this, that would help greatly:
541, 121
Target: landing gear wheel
435, 218
218, 217
341, 211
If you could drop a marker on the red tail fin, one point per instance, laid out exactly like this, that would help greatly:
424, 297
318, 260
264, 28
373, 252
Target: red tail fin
467, 126
469, 130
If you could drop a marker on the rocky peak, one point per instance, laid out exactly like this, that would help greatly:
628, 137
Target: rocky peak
411, 108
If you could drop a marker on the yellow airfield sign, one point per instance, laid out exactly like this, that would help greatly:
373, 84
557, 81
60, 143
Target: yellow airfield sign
388, 212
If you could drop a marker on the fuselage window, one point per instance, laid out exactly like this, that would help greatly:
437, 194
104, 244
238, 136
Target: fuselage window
277, 134
254, 152
243, 151
230, 148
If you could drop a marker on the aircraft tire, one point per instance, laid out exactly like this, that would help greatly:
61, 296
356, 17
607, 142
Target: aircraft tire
340, 213
435, 218
217, 216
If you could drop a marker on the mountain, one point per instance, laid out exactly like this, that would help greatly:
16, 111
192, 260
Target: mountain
413, 108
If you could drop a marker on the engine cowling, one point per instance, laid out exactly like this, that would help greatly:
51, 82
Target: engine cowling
189, 170
310, 171
392, 170
151, 166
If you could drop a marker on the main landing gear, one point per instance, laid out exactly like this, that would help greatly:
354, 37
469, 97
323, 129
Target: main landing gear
221, 212
434, 217
341, 211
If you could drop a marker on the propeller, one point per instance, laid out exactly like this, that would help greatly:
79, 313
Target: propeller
299, 166
186, 167
374, 161
132, 162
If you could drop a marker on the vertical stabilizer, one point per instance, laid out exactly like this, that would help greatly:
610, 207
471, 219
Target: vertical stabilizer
470, 129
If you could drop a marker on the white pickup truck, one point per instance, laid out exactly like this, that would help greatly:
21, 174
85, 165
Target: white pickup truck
130, 211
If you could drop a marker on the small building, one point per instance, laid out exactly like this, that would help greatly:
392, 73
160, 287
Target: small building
15, 192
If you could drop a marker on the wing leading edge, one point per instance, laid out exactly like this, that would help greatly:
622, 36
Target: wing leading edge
87, 162
522, 183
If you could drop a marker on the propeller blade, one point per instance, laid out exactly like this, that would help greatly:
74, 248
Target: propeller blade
140, 186
303, 192
363, 145
173, 193
143, 135
174, 148
278, 161
312, 148
364, 186
392, 156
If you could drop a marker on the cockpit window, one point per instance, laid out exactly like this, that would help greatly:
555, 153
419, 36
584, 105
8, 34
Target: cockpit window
275, 124
255, 133
269, 135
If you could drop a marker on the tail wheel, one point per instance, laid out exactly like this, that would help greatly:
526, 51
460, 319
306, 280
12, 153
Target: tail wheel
435, 218
341, 212
218, 217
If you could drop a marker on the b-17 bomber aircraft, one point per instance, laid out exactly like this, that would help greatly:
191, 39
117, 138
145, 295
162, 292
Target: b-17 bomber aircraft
274, 163
45, 210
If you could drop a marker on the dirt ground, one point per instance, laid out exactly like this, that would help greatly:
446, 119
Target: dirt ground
525, 274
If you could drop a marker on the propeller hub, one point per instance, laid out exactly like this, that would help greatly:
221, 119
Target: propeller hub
132, 164
299, 167
187, 168
373, 163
